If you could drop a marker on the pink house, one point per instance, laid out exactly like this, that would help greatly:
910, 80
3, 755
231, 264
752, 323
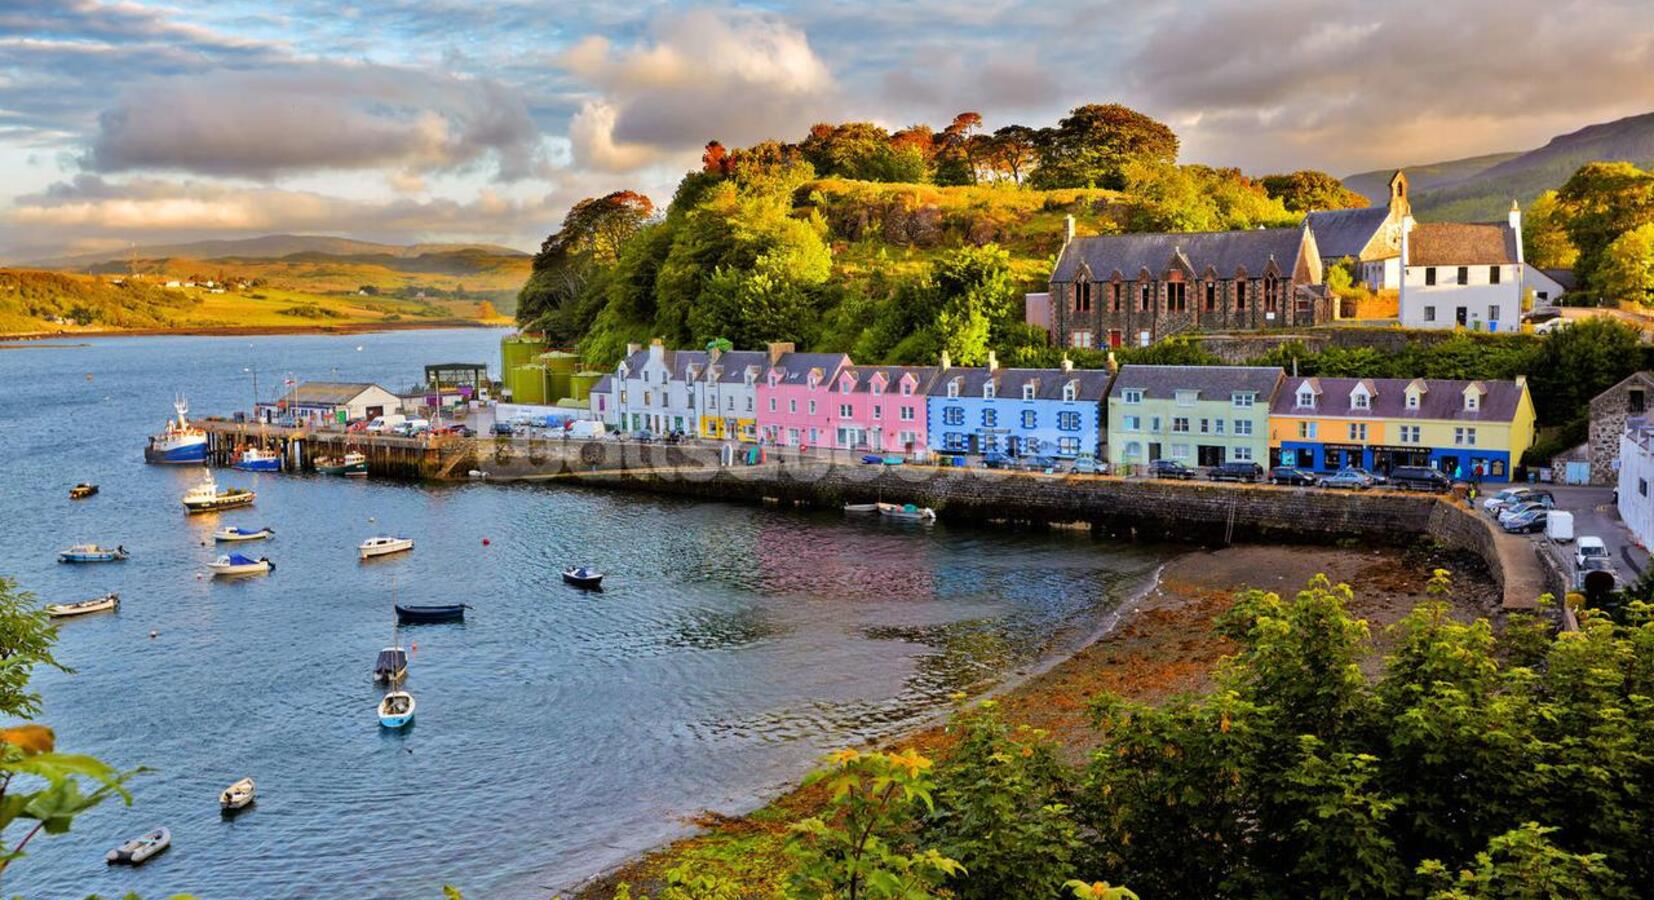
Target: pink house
880, 408
795, 396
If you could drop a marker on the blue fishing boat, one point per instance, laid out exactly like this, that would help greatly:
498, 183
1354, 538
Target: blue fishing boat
91, 553
396, 710
253, 459
180, 443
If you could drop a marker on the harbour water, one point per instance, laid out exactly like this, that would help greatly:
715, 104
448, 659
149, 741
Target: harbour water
558, 732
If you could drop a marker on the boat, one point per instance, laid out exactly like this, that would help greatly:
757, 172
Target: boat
253, 459
383, 546
907, 512
107, 603
861, 507
411, 615
139, 850
396, 710
581, 576
391, 666
236, 564
92, 553
180, 443
82, 491
206, 497
353, 464
233, 533
238, 796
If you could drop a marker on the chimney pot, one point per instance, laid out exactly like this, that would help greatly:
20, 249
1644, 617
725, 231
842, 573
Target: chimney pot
947, 362
1113, 364
1067, 364
993, 361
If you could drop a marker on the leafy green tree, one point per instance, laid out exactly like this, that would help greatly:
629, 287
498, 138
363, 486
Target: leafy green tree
1600, 202
1627, 269
1307, 190
1523, 864
1093, 145
26, 639
591, 238
1011, 152
1166, 197
1545, 243
1579, 362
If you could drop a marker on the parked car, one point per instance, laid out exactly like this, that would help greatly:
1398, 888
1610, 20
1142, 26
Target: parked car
643, 436
1372, 477
1088, 465
1248, 472
1292, 476
996, 460
1419, 478
1589, 548
1347, 478
1504, 498
503, 428
872, 459
1526, 506
1528, 521
1037, 464
1360, 473
1170, 468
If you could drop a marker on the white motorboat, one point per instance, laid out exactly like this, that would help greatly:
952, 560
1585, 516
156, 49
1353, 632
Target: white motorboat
107, 603
238, 796
236, 564
206, 497
234, 533
861, 507
383, 546
139, 850
396, 710
907, 512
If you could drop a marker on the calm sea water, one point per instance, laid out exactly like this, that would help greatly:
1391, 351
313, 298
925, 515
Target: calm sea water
558, 732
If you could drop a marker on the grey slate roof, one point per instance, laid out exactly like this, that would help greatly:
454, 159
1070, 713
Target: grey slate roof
732, 365
1461, 244
1345, 232
1564, 277
604, 385
1209, 382
634, 363
1008, 383
1226, 252
1443, 399
337, 393
892, 377
794, 368
679, 361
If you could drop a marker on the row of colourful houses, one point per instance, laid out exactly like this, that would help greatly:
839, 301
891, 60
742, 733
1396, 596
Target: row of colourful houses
1197, 415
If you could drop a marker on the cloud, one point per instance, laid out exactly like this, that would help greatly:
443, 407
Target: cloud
734, 76
316, 116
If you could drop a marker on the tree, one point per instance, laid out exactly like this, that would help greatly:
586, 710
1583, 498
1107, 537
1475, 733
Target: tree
1167, 197
1545, 243
592, 236
1600, 202
26, 639
1523, 864
1308, 189
1579, 362
1010, 152
1095, 143
1626, 273
957, 150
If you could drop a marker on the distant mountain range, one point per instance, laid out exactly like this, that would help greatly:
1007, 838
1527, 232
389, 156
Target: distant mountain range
1480, 188
271, 246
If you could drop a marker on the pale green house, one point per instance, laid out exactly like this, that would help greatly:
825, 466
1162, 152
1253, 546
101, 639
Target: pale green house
1197, 415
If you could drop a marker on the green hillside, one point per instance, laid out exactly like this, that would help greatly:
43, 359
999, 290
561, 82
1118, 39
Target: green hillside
1375, 185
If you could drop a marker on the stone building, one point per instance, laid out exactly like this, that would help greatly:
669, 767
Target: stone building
1370, 236
1135, 289
1609, 412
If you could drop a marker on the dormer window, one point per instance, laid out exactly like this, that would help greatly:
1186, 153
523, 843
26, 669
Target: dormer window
1069, 392
845, 385
953, 389
1472, 401
1306, 399
907, 387
1360, 399
1027, 392
988, 391
1412, 399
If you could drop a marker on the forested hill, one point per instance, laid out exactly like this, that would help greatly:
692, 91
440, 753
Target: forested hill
892, 246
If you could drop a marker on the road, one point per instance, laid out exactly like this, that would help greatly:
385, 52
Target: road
1595, 514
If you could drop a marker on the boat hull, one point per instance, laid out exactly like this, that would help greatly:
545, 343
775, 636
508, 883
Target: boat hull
217, 503
177, 453
255, 569
85, 608
79, 558
418, 615
225, 537
376, 550
583, 581
401, 721
138, 851
270, 464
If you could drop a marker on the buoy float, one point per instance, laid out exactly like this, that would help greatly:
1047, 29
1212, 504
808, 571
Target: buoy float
485, 542
198, 576
152, 634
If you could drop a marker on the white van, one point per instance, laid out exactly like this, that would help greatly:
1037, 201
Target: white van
585, 428
1559, 526
386, 423
1589, 548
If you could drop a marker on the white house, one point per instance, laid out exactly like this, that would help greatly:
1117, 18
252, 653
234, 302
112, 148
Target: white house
1547, 284
1636, 474
656, 389
728, 394
601, 402
324, 401
1463, 275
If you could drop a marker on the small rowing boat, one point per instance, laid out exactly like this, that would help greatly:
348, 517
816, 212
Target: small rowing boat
91, 553
581, 576
238, 796
383, 546
414, 615
82, 491
861, 507
236, 564
138, 851
234, 533
107, 603
907, 512
396, 710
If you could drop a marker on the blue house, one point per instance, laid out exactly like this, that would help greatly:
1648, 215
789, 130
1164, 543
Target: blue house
1019, 412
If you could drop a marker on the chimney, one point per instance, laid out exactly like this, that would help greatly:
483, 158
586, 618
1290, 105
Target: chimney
993, 361
1113, 364
946, 363
1067, 230
633, 347
712, 354
1515, 217
657, 350
1295, 367
777, 349
1067, 364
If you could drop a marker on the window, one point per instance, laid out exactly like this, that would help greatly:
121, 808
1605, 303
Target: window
1176, 297
772, 404
1430, 276
1180, 451
875, 387
1133, 450
1306, 399
731, 404
1492, 274
1205, 426
1409, 434
1360, 400
749, 404
1240, 294
1464, 437
988, 391
990, 418
1154, 423
1081, 339
1069, 392
1358, 431
1240, 454
1412, 399
1186, 398
1243, 399
646, 396
1271, 294
1464, 274
1180, 424
1493, 312
1068, 421
1217, 426
1635, 401
1429, 314
907, 414
812, 407
1472, 401
953, 440
953, 415
845, 385
1131, 423
953, 389
792, 406
878, 412
1068, 446
1131, 395
1027, 392
1082, 297
1211, 297
1642, 487
1306, 431
1243, 427
1029, 418
907, 388
815, 436
1114, 292
622, 396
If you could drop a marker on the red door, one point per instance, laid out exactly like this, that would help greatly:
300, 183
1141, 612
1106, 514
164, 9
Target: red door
1114, 337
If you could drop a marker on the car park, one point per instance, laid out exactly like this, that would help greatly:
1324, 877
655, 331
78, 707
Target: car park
1292, 476
1419, 478
1504, 498
1526, 506
1528, 521
1170, 468
1235, 471
1347, 478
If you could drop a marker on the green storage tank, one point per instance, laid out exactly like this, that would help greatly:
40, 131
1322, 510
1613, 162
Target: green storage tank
560, 368
519, 350
581, 384
528, 384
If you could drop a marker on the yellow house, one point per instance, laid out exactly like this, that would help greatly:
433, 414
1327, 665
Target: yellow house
1462, 428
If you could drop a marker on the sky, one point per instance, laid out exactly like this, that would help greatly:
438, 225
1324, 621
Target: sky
485, 120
